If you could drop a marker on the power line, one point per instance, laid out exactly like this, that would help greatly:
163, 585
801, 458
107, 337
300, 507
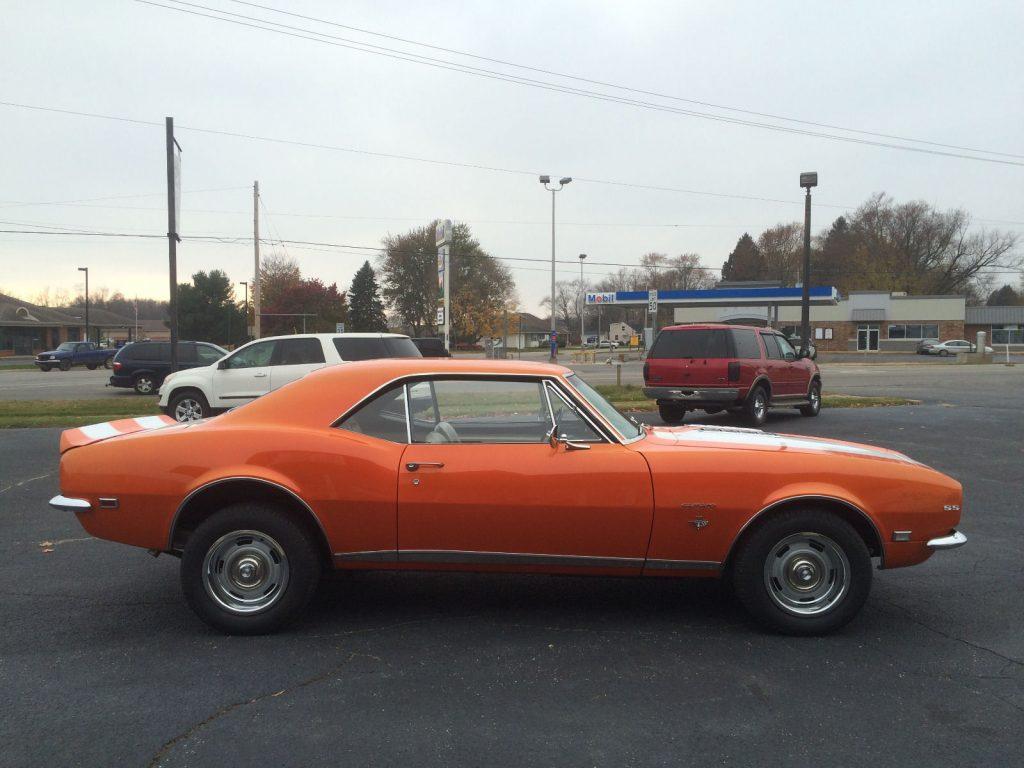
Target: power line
617, 85
21, 203
304, 34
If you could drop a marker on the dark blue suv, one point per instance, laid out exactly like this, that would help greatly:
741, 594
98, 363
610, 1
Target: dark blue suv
143, 365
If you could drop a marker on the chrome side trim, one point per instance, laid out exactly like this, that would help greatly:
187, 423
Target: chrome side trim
368, 556
514, 558
683, 565
65, 504
188, 498
901, 535
108, 502
954, 540
812, 497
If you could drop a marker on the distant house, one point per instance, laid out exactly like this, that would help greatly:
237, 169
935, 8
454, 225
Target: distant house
527, 331
27, 328
620, 332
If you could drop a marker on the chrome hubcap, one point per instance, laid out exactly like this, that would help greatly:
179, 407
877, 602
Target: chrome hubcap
806, 574
144, 385
188, 410
759, 406
245, 572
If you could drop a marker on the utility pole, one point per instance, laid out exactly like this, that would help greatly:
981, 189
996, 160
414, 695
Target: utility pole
246, 284
86, 270
583, 303
257, 283
173, 187
807, 180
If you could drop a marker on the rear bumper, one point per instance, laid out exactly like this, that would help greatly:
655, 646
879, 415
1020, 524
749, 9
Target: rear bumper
65, 504
696, 396
121, 381
952, 541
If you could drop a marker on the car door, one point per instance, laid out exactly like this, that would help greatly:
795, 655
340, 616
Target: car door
294, 358
243, 376
481, 483
774, 364
795, 376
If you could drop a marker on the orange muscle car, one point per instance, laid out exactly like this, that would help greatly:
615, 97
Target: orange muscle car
496, 466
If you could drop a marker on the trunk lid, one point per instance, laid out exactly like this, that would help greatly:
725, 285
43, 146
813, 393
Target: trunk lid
697, 357
94, 433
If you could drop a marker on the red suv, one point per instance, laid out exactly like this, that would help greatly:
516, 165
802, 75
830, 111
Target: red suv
734, 367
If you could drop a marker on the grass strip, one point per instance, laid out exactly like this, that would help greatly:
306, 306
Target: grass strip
72, 413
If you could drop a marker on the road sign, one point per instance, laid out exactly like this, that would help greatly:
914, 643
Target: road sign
652, 302
439, 320
339, 327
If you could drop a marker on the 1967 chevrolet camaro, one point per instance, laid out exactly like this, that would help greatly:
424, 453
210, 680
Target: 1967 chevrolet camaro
496, 466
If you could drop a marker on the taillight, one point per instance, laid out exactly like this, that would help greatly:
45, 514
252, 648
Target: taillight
734, 371
117, 366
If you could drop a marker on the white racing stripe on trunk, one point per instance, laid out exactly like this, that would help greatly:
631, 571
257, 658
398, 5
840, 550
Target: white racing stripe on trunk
150, 422
99, 431
755, 439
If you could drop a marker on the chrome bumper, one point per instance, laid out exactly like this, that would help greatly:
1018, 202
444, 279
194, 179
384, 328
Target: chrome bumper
954, 540
694, 394
64, 504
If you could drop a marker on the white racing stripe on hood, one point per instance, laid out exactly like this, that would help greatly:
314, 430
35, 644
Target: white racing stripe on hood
757, 439
99, 431
150, 422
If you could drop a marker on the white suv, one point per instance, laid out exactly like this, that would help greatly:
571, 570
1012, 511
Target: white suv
266, 364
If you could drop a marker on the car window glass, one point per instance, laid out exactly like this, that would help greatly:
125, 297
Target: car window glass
254, 356
299, 352
698, 342
371, 348
382, 417
770, 346
479, 411
746, 345
186, 352
571, 424
785, 347
208, 354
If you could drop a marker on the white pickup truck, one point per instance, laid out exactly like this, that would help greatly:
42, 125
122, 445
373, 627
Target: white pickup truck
266, 364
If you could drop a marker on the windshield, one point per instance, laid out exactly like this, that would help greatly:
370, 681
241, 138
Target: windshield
67, 346
626, 426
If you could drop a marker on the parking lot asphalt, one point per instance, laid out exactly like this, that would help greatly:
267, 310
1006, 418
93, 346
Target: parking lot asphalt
101, 662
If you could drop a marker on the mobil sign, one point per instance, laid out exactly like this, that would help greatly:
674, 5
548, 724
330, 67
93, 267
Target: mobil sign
601, 298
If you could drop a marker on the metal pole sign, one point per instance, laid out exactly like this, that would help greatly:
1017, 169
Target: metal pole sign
443, 240
173, 202
652, 302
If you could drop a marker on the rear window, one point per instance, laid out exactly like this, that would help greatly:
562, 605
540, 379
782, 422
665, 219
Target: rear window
699, 342
745, 344
147, 350
299, 352
373, 348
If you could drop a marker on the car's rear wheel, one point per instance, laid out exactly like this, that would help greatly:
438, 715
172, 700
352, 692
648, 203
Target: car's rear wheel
249, 569
672, 414
144, 384
91, 366
65, 365
803, 572
756, 407
813, 407
108, 363
943, 353
188, 406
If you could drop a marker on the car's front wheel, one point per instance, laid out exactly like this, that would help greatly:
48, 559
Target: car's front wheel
672, 414
45, 368
249, 569
803, 572
813, 407
188, 406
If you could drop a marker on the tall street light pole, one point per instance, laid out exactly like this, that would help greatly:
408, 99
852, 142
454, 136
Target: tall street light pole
807, 181
86, 270
546, 181
583, 291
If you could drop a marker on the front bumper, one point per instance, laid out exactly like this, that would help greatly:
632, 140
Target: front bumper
41, 363
716, 395
952, 541
65, 504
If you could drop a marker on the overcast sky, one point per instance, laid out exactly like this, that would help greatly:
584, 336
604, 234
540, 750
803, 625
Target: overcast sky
945, 72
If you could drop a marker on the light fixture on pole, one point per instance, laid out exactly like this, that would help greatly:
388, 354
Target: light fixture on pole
583, 290
546, 181
807, 180
86, 270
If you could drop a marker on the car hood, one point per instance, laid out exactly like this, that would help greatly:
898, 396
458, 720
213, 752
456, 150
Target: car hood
51, 352
699, 436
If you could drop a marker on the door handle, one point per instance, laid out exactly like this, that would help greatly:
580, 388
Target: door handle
259, 376
412, 466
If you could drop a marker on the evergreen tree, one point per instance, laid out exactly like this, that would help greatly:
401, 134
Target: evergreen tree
745, 262
366, 310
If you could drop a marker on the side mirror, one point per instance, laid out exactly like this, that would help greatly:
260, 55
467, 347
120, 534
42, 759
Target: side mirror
222, 364
790, 357
554, 440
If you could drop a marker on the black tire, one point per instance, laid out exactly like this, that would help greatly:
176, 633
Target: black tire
45, 368
250, 525
91, 366
813, 408
943, 353
764, 595
108, 363
672, 414
145, 384
755, 409
188, 401
65, 365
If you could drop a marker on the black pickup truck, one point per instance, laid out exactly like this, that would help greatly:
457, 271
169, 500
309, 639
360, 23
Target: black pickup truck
72, 353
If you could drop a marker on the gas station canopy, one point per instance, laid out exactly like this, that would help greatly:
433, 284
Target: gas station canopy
722, 297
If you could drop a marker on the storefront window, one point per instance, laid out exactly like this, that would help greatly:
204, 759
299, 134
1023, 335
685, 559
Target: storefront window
914, 331
1007, 334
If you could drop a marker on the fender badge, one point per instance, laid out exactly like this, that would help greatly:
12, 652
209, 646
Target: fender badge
700, 522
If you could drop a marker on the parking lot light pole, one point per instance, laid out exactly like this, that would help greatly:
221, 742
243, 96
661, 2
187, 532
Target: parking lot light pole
86, 270
583, 297
807, 180
546, 181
